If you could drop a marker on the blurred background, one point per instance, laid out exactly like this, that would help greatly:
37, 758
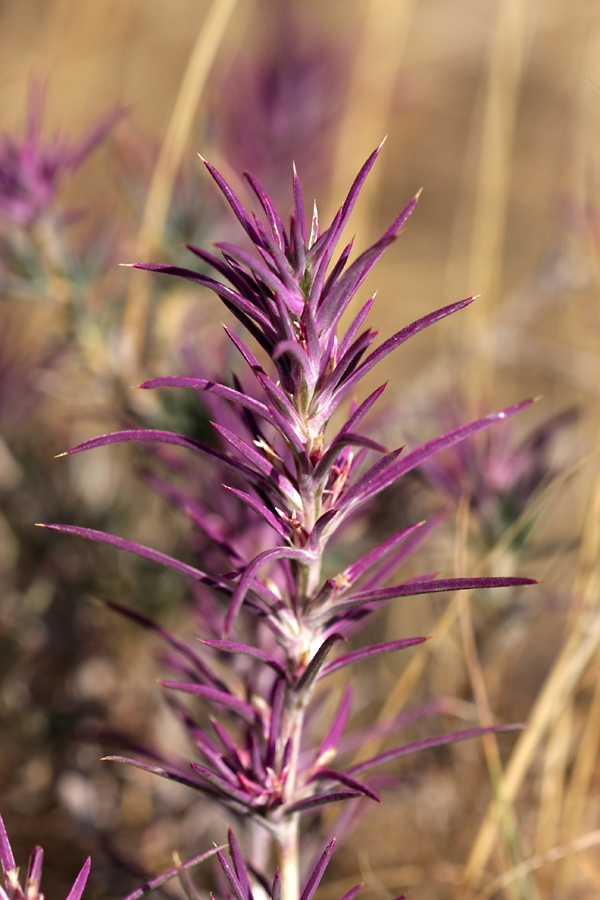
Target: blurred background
493, 108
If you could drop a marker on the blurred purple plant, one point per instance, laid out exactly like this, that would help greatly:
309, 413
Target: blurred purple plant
31, 169
280, 104
498, 475
284, 611
13, 890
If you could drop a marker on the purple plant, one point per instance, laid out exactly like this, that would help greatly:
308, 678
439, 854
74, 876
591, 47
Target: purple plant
284, 609
281, 102
13, 890
31, 170
498, 475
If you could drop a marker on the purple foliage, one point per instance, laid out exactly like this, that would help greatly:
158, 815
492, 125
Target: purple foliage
31, 169
287, 493
497, 474
13, 890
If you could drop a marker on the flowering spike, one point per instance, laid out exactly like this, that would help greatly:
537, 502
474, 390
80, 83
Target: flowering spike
289, 486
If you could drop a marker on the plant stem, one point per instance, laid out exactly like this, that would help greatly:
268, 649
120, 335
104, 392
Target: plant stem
289, 868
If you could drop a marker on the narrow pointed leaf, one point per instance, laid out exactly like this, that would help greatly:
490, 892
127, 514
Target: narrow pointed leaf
157, 882
317, 873
367, 652
169, 774
415, 587
213, 387
247, 578
367, 487
346, 780
234, 203
317, 661
163, 559
215, 697
245, 650
427, 743
6, 855
322, 800
80, 882
164, 437
358, 568
353, 892
395, 341
220, 786
332, 738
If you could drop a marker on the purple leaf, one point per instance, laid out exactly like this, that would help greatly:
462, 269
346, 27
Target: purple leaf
317, 661
294, 350
6, 855
335, 303
362, 410
321, 800
235, 204
414, 587
157, 882
358, 568
367, 487
427, 743
111, 540
298, 204
286, 285
167, 636
258, 461
214, 387
370, 476
80, 882
169, 774
246, 650
164, 437
220, 786
367, 652
332, 738
338, 298
215, 697
239, 865
386, 569
237, 892
317, 873
319, 529
345, 440
334, 276
231, 298
395, 341
34, 871
353, 892
277, 704
276, 889
347, 780
275, 223
245, 581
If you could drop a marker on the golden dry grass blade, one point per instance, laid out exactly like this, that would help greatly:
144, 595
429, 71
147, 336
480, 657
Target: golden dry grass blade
556, 758
171, 153
581, 644
584, 769
498, 124
384, 34
585, 842
507, 820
